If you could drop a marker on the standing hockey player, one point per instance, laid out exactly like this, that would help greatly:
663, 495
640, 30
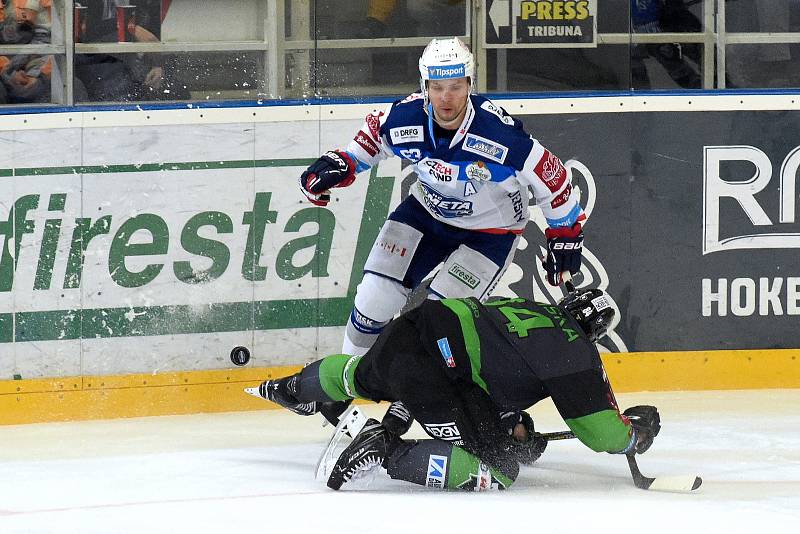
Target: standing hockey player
456, 364
475, 165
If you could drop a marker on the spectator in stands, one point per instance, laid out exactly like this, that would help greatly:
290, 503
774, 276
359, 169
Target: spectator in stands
655, 16
25, 77
766, 64
3, 92
128, 76
420, 17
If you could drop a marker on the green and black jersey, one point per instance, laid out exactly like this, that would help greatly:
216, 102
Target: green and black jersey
521, 352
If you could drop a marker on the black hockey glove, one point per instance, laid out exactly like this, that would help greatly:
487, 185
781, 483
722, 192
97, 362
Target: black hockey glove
564, 246
647, 423
528, 444
332, 169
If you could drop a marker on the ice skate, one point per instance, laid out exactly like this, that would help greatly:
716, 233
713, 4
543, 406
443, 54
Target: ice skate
281, 391
363, 456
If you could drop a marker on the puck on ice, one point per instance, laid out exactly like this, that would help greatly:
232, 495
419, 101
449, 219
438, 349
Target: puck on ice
240, 355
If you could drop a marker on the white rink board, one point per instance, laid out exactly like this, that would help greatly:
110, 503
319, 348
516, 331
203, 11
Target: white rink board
154, 228
175, 164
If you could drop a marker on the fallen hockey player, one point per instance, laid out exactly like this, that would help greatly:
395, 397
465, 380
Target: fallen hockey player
458, 366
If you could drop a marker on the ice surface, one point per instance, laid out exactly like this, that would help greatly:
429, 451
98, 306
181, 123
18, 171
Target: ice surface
253, 472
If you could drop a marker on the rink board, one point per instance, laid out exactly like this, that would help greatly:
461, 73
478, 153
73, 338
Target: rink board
149, 242
107, 397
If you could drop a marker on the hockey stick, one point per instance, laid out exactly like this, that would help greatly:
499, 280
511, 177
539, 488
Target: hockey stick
557, 436
566, 276
675, 484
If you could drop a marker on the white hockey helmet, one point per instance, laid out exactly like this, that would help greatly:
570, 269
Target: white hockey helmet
443, 59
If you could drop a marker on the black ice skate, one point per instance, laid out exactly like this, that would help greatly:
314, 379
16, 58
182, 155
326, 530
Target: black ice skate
367, 452
282, 391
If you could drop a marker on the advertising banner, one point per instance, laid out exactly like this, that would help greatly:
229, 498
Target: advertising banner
144, 249
692, 224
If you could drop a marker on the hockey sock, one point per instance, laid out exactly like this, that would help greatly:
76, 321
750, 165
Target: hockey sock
336, 376
439, 464
321, 381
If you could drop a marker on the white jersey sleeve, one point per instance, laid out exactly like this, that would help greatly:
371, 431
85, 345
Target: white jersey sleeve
551, 183
368, 146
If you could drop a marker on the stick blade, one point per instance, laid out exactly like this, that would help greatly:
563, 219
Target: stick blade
676, 484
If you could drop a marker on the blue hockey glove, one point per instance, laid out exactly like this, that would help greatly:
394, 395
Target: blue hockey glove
564, 247
332, 169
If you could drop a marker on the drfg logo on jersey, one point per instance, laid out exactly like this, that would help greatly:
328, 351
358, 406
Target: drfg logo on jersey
407, 134
744, 192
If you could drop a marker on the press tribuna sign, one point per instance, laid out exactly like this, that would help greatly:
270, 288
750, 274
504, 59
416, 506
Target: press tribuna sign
541, 23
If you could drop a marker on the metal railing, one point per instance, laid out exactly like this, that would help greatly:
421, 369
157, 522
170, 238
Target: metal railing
285, 45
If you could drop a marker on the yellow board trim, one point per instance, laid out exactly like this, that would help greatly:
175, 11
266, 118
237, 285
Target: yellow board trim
141, 395
110, 397
701, 370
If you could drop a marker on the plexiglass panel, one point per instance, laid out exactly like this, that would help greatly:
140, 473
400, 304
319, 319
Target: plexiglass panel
89, 51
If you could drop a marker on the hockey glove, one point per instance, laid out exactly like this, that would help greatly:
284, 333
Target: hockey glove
528, 444
647, 424
332, 169
564, 246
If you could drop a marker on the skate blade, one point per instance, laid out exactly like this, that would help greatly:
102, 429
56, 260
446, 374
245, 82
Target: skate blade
254, 392
350, 424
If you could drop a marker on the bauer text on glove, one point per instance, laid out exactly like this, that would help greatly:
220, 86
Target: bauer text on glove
564, 246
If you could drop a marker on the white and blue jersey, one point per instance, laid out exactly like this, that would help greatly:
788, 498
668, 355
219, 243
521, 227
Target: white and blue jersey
479, 179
